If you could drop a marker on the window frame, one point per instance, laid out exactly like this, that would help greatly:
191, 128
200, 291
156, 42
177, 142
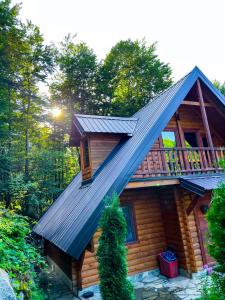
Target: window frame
86, 150
130, 205
176, 134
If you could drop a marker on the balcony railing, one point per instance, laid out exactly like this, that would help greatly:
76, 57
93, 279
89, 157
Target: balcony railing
181, 161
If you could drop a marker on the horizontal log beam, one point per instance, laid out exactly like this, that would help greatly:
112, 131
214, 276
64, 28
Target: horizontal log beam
143, 184
195, 103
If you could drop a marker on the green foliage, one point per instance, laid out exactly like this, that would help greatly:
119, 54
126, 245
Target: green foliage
220, 86
216, 223
168, 143
35, 161
75, 83
19, 257
111, 254
130, 76
210, 290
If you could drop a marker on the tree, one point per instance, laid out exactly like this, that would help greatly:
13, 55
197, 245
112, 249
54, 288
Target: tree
75, 83
111, 254
130, 76
216, 222
29, 63
220, 86
10, 37
35, 161
36, 64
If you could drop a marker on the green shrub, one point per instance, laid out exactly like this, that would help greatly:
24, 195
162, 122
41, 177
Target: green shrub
216, 223
111, 254
18, 257
210, 290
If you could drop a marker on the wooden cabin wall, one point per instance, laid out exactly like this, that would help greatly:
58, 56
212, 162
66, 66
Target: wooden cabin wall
150, 233
189, 231
172, 227
192, 225
190, 118
100, 147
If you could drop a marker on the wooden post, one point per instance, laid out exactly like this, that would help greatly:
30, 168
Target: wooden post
182, 141
181, 133
192, 205
205, 120
185, 233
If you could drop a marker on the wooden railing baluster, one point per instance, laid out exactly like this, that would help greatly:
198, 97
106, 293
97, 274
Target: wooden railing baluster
182, 161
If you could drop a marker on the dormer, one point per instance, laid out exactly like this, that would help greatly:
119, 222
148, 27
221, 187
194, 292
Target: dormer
97, 136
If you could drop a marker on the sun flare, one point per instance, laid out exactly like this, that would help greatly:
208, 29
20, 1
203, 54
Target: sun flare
56, 112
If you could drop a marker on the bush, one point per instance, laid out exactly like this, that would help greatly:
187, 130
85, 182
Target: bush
216, 224
111, 254
18, 257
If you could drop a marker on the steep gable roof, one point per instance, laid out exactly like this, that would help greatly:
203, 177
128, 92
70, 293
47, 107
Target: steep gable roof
73, 218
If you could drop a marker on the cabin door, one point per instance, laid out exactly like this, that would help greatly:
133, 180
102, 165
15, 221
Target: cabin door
200, 211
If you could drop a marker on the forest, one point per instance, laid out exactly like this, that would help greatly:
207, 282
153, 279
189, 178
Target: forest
36, 162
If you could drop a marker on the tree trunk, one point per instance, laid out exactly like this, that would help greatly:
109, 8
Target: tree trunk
27, 206
8, 195
27, 137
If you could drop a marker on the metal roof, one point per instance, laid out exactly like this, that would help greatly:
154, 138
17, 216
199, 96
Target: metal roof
105, 124
82, 124
202, 183
73, 218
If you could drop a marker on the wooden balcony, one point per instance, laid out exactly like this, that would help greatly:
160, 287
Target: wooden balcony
181, 161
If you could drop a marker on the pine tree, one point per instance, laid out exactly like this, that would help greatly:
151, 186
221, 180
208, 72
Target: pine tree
216, 221
111, 254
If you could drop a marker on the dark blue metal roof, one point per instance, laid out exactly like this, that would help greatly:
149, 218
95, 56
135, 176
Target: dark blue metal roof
73, 218
105, 124
202, 183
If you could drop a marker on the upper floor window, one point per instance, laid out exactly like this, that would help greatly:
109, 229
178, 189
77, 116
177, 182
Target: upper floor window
169, 139
86, 158
129, 216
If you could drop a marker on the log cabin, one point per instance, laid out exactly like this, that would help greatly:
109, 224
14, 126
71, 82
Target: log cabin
163, 162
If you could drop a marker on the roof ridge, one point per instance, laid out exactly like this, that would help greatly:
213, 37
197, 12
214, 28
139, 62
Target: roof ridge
107, 117
161, 93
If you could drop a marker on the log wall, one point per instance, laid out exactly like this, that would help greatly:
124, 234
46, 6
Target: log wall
100, 147
171, 225
197, 263
189, 231
150, 233
161, 223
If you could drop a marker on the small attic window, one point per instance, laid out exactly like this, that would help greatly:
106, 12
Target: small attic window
86, 158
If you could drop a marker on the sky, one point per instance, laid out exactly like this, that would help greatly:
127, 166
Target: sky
188, 32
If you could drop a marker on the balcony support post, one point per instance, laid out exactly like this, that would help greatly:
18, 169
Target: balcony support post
182, 140
205, 121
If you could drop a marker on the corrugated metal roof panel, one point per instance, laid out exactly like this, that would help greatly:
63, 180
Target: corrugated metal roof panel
105, 124
72, 220
200, 184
